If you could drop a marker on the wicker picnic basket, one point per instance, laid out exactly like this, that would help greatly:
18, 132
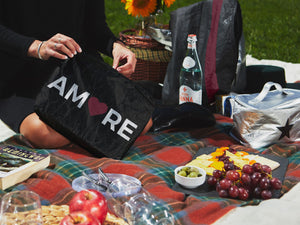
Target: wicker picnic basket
131, 39
152, 57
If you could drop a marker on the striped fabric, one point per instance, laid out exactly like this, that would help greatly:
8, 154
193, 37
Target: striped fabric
154, 55
151, 64
152, 159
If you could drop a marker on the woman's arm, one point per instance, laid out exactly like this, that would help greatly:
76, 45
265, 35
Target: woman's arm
59, 46
14, 43
98, 34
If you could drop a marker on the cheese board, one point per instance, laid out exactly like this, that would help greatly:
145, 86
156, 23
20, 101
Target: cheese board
210, 191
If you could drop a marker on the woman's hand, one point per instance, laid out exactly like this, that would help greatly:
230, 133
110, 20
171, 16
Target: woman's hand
119, 53
59, 46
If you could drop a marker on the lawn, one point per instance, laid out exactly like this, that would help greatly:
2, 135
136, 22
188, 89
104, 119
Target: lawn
271, 27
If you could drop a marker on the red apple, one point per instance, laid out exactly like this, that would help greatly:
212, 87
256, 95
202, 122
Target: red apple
80, 218
92, 201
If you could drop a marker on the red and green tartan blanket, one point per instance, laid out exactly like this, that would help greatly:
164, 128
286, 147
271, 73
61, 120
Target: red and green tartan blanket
152, 159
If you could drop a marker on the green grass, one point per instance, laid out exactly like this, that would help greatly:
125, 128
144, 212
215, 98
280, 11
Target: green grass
271, 27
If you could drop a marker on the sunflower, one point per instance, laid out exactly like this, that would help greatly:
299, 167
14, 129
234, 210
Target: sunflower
140, 7
168, 3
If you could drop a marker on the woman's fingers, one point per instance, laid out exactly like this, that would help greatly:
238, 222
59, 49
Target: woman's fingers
120, 52
69, 43
66, 50
51, 49
59, 46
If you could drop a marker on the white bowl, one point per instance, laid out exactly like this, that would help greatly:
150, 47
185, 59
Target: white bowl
190, 182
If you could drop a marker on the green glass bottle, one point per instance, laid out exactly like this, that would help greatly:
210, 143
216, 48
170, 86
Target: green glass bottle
191, 75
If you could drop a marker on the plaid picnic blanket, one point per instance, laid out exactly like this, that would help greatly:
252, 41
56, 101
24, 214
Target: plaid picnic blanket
152, 159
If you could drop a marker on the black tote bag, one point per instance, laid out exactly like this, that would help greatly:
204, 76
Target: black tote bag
94, 106
218, 27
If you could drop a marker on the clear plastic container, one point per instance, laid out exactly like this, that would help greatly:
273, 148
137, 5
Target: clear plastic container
120, 185
141, 208
21, 207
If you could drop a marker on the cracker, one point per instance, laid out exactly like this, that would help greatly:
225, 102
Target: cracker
53, 214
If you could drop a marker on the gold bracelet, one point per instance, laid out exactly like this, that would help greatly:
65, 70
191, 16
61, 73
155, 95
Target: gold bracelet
38, 51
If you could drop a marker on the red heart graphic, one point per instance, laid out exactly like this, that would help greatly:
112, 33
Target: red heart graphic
96, 107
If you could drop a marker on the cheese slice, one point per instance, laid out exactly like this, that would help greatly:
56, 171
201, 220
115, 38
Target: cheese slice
238, 160
200, 163
264, 161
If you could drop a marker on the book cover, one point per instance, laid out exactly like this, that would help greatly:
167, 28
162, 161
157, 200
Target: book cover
17, 164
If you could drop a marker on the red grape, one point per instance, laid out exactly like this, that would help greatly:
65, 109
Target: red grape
225, 184
233, 191
217, 173
267, 169
246, 179
232, 175
247, 169
223, 193
266, 194
218, 188
212, 181
255, 177
264, 183
243, 194
257, 167
228, 166
275, 183
257, 192
249, 190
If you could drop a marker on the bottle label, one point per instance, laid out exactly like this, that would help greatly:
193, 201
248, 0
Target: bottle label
188, 62
186, 94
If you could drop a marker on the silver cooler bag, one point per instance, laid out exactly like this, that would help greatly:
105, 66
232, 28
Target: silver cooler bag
267, 117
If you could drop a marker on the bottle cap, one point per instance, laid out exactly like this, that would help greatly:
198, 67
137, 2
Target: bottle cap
192, 37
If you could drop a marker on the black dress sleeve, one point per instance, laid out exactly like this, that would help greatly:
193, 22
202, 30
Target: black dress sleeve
98, 34
13, 43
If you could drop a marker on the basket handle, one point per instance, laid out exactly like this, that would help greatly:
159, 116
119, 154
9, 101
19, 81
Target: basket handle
265, 91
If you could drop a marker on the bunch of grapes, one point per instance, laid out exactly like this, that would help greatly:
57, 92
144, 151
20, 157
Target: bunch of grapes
251, 181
